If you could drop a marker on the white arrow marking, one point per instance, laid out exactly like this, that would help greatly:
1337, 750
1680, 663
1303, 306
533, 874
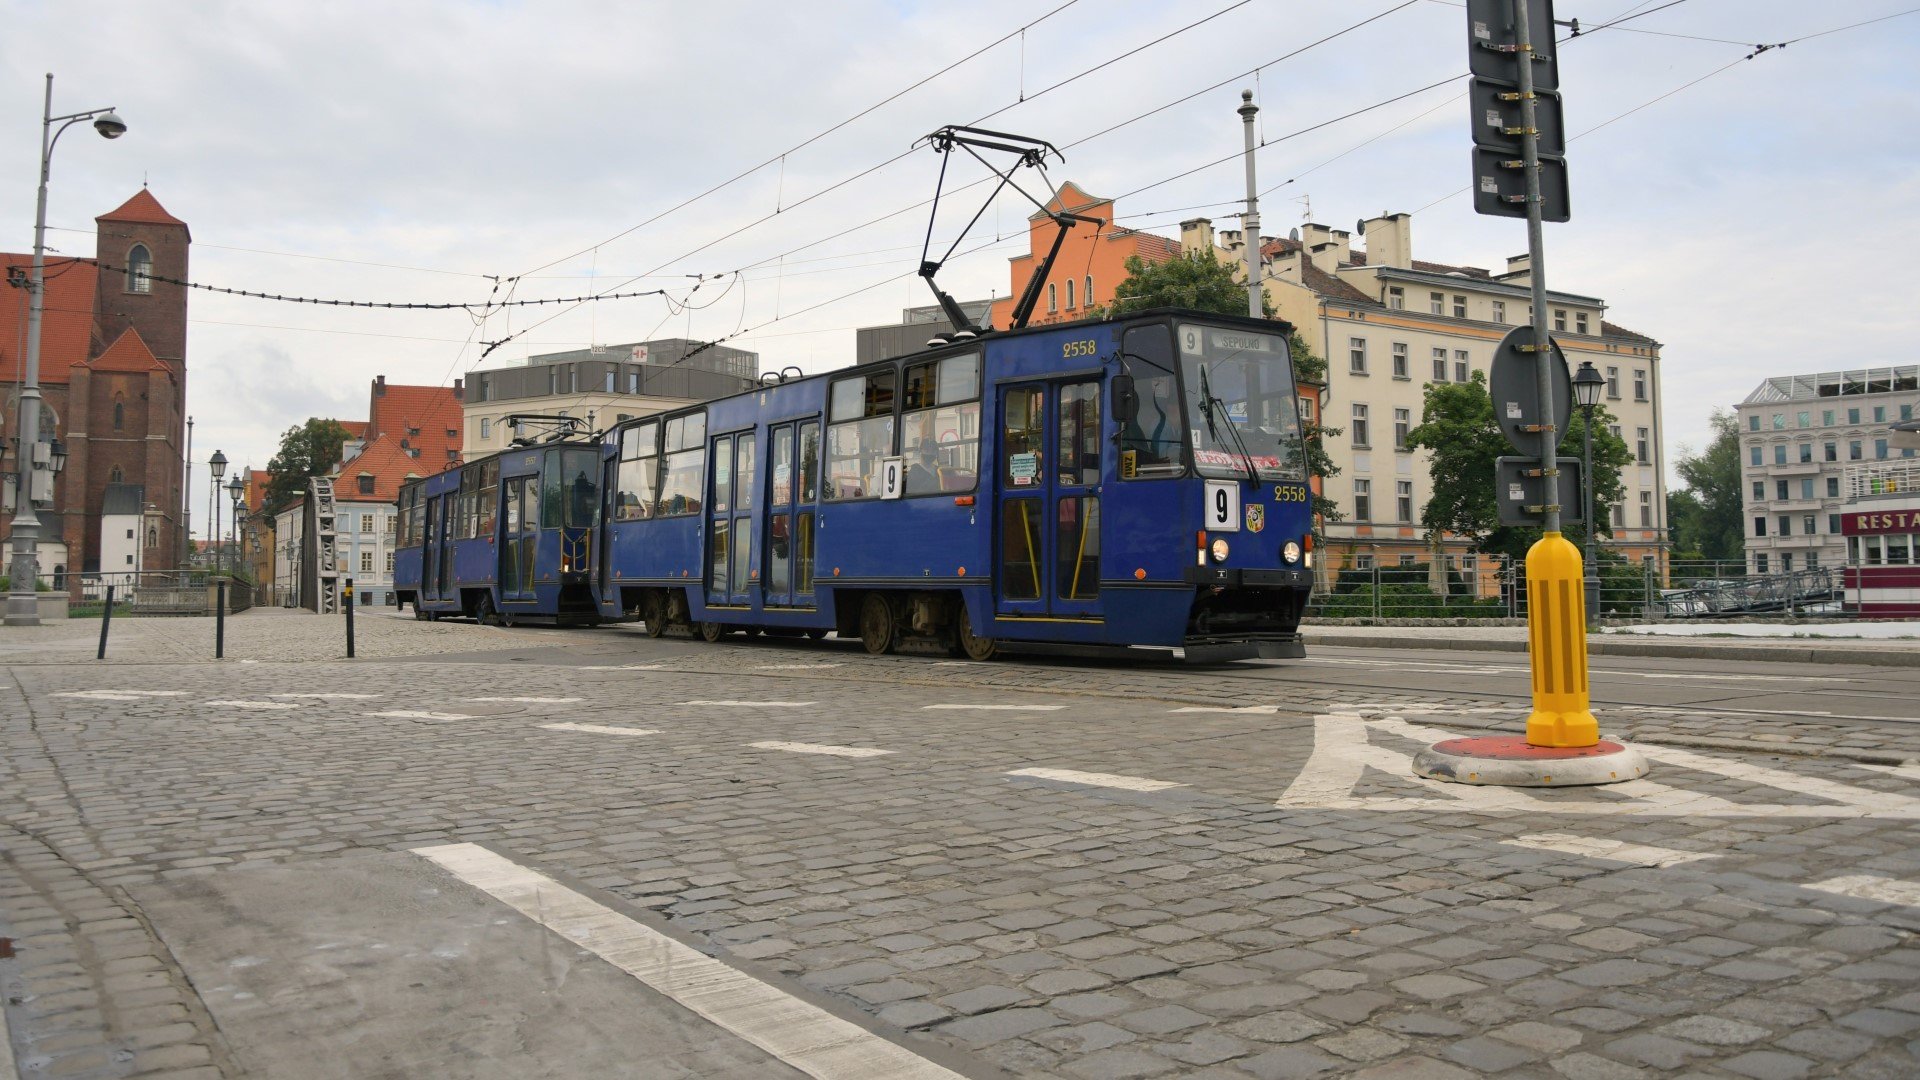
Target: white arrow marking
1096, 779
817, 748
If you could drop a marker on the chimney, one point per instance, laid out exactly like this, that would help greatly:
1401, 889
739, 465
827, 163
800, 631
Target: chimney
1328, 248
379, 386
1389, 240
1519, 270
1196, 236
459, 390
1230, 240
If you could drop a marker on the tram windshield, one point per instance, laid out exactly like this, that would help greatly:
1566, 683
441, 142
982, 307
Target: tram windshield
580, 483
1241, 413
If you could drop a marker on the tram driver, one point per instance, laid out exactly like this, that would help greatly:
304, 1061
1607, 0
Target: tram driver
1153, 431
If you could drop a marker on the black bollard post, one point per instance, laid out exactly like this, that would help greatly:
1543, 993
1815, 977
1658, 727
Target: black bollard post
106, 619
220, 619
347, 599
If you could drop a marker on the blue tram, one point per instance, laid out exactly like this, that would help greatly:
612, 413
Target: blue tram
506, 538
1133, 482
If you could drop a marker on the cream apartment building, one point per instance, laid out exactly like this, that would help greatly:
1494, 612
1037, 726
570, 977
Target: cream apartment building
1389, 325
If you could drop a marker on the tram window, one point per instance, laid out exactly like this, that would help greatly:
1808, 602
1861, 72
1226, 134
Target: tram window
1023, 438
683, 460
941, 438
1020, 522
809, 462
1151, 429
550, 491
722, 474
582, 493
635, 475
803, 552
780, 493
861, 433
1079, 461
488, 497
1077, 549
511, 505
743, 468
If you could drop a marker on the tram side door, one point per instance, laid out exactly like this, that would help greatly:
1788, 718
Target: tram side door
430, 550
518, 534
1048, 548
793, 461
730, 569
443, 560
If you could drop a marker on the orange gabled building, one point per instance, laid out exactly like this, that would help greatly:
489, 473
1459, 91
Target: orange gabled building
1092, 260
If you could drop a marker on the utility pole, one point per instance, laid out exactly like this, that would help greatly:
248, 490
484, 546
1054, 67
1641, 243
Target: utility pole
1250, 232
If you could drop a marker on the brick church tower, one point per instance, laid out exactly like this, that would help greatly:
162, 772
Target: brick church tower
113, 372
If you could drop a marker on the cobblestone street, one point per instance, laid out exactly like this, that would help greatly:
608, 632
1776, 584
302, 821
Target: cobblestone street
1037, 867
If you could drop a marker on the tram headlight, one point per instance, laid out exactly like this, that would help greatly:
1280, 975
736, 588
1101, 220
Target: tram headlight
1290, 552
1220, 550
1309, 560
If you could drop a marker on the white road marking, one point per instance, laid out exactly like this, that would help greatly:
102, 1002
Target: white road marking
1908, 771
601, 729
802, 1035
1441, 667
622, 667
754, 704
1342, 753
1264, 710
1609, 850
999, 708
1096, 779
817, 748
529, 700
119, 695
420, 714
256, 704
1733, 678
1869, 887
329, 697
793, 667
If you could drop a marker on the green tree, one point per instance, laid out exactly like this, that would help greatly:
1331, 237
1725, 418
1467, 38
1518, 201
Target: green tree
1457, 424
1197, 280
1309, 368
1708, 521
306, 450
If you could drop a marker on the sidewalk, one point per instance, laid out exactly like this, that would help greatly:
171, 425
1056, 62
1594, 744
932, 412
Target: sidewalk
262, 634
1766, 642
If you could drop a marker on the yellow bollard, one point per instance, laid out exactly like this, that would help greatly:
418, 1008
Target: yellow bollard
1557, 645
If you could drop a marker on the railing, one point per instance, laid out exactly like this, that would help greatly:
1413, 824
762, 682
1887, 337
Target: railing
1883, 478
155, 593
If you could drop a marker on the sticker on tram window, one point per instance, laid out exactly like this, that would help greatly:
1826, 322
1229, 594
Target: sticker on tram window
1223, 506
1023, 468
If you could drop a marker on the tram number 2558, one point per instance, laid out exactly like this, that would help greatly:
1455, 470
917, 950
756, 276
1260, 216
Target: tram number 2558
1071, 349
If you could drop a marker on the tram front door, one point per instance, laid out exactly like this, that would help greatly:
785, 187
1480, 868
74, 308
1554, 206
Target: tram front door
1048, 488
793, 466
730, 569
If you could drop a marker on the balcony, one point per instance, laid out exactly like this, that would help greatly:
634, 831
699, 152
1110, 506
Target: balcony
1882, 480
1795, 468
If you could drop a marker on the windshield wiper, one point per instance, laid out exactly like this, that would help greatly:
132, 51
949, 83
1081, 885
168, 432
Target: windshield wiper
1208, 401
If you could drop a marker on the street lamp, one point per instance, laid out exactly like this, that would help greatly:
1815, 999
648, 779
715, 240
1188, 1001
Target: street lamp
22, 607
217, 465
1586, 393
235, 489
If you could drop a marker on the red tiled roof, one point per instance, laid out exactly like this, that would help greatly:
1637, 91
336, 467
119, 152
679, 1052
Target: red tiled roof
1153, 247
129, 352
390, 466
1615, 330
143, 208
420, 415
356, 429
66, 325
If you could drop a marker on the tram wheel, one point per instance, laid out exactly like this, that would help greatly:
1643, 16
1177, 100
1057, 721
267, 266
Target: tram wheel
877, 624
817, 633
420, 613
484, 612
712, 631
976, 648
654, 612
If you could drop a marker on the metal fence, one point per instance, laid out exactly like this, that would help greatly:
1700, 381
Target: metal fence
155, 593
1494, 587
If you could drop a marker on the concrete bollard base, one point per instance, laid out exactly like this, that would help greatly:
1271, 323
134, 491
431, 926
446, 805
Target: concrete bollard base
1509, 761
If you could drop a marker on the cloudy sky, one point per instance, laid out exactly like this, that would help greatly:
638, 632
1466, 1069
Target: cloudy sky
1761, 222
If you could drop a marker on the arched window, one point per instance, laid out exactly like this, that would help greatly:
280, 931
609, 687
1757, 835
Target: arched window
139, 269
119, 412
1053, 297
153, 536
113, 475
1069, 294
1088, 297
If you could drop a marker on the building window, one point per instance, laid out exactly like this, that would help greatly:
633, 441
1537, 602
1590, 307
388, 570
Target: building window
1560, 319
1403, 500
1813, 560
1806, 490
483, 387
1360, 426
1640, 386
1053, 297
1363, 562
1906, 412
366, 562
1779, 421
1640, 446
1786, 525
1833, 523
1753, 422
153, 536
1437, 303
1500, 311
389, 562
1759, 490
1459, 306
1879, 414
1405, 560
633, 381
1087, 298
366, 483
1853, 416
1439, 365
553, 381
1759, 526
1826, 417
114, 475
1646, 509
1804, 418
1579, 322
1400, 360
369, 523
1880, 449
1070, 304
1780, 454
486, 428
1760, 563
1786, 562
1853, 450
1402, 423
1754, 453
1357, 356
609, 385
1780, 489
1806, 453
139, 269
1396, 298
1833, 487
1807, 524
1833, 451
1613, 384
1363, 500
1462, 370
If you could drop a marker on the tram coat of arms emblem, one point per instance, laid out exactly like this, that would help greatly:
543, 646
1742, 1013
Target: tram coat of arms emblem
1256, 517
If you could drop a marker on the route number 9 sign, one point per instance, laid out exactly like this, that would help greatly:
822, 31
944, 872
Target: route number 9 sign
892, 477
1223, 506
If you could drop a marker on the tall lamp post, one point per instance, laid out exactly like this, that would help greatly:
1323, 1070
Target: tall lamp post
22, 607
1586, 393
235, 489
217, 465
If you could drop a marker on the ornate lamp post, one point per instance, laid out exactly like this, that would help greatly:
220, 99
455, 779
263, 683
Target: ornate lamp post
217, 465
1586, 393
235, 490
22, 607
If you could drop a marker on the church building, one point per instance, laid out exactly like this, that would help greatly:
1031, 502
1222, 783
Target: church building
113, 376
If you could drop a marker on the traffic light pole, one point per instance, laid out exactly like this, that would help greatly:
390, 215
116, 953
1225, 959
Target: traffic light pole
1556, 602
